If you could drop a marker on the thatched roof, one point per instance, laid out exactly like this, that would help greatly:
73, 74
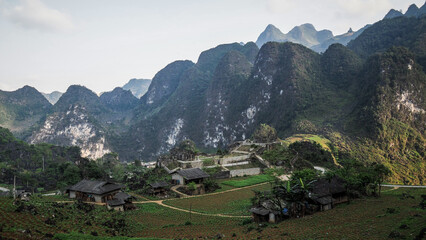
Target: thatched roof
192, 173
95, 187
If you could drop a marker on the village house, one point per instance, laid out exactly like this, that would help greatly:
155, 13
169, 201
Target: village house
121, 202
185, 176
267, 212
94, 191
159, 188
326, 194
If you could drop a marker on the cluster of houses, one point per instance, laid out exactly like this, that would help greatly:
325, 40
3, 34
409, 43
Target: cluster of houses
102, 192
113, 196
325, 195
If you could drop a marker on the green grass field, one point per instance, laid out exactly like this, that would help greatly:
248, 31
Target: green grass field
252, 180
395, 213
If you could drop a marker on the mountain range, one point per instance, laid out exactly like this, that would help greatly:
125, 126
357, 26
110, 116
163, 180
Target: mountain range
319, 41
368, 98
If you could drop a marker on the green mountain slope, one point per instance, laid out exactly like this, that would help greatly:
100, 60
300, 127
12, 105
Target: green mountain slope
22, 109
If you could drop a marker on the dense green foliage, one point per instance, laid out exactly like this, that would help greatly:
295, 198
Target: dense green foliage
299, 155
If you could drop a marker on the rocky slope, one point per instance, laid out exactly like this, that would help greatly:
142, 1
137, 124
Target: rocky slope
81, 118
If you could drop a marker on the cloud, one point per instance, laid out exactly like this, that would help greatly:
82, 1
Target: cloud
348, 8
33, 14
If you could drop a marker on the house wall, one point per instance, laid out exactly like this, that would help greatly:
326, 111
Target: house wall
178, 178
72, 194
116, 208
271, 218
247, 172
98, 198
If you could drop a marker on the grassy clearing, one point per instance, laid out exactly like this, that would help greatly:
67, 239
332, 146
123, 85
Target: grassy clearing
234, 203
252, 180
304, 137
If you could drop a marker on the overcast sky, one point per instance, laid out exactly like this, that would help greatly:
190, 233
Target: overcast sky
101, 44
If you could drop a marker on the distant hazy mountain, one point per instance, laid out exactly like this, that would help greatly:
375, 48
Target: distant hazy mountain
119, 99
138, 87
52, 97
305, 34
343, 39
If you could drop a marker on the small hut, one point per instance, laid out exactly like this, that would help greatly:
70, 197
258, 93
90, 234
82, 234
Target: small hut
121, 202
266, 212
159, 188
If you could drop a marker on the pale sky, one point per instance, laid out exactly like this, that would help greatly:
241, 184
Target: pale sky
101, 44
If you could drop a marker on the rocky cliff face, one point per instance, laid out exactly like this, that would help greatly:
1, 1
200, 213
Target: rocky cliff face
81, 118
73, 128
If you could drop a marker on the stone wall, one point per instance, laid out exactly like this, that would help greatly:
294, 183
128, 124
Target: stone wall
221, 175
234, 159
247, 172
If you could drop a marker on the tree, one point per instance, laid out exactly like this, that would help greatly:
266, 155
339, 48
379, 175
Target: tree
381, 172
265, 134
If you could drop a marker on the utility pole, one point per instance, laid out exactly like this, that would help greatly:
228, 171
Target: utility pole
43, 163
190, 212
14, 187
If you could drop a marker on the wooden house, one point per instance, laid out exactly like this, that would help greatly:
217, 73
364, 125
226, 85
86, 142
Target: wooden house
121, 202
185, 176
94, 191
266, 212
326, 194
159, 188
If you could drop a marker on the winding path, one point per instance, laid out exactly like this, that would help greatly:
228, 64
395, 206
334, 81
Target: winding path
161, 202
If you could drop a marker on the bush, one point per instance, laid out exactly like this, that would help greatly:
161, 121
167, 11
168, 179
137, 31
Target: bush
210, 185
191, 186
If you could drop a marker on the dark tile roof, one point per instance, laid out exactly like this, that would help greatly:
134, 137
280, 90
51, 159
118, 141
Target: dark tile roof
260, 211
323, 187
95, 187
160, 184
122, 195
115, 202
192, 173
323, 200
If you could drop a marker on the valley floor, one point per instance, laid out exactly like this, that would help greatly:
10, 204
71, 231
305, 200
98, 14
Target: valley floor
395, 213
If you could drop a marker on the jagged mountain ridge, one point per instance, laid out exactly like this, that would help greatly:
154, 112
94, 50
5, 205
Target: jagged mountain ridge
412, 11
